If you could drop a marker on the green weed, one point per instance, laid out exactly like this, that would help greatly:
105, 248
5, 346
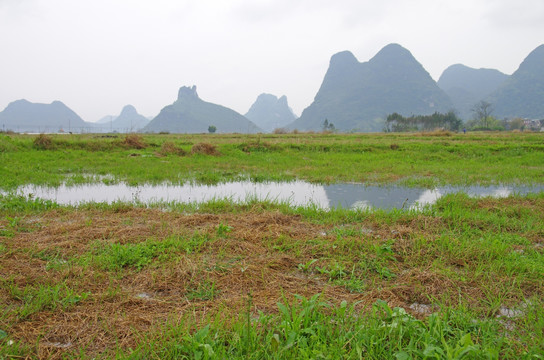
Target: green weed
204, 290
44, 297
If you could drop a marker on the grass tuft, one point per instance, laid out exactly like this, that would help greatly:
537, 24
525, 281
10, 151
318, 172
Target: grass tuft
205, 149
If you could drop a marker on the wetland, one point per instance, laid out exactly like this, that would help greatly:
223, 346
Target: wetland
273, 277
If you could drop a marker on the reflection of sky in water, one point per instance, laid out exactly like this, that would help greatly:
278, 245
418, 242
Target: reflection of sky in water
296, 193
355, 196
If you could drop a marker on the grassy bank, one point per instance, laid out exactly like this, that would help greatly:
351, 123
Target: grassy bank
461, 279
426, 159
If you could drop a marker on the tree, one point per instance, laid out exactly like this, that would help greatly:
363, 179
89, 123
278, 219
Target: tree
325, 125
482, 113
212, 129
328, 126
517, 124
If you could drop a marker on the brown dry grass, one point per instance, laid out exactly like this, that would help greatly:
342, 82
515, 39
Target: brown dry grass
436, 132
169, 148
259, 256
134, 141
43, 142
205, 148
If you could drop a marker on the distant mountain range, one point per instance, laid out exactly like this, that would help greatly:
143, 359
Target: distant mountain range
190, 114
269, 113
353, 96
358, 96
24, 116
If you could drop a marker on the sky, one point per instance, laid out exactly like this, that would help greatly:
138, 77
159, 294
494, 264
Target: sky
97, 56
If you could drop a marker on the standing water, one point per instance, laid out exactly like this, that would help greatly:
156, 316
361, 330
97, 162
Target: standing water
295, 193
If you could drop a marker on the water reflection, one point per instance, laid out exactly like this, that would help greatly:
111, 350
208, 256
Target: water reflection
296, 193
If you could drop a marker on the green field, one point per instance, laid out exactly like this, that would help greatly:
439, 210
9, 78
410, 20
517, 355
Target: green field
461, 279
426, 159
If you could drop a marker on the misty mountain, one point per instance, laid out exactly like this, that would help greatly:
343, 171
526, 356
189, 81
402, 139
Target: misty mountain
269, 113
25, 116
190, 114
108, 119
522, 95
129, 120
467, 86
359, 96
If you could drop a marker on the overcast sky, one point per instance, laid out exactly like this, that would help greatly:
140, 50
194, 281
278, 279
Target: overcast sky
97, 56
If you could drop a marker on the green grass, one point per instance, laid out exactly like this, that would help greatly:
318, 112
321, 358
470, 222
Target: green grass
312, 328
419, 160
34, 299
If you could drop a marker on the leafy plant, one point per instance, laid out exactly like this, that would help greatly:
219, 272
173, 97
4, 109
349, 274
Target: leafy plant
223, 229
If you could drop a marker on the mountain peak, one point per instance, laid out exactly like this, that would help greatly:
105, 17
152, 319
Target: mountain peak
533, 61
393, 54
342, 59
186, 92
270, 112
23, 115
129, 110
521, 95
190, 114
466, 86
356, 96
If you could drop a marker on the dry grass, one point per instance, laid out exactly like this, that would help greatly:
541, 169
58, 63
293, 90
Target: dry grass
436, 132
280, 131
134, 141
43, 142
205, 148
258, 255
169, 148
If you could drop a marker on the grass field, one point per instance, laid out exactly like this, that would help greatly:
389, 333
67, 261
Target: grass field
426, 159
462, 279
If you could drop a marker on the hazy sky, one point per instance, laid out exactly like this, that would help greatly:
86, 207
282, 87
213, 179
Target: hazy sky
97, 56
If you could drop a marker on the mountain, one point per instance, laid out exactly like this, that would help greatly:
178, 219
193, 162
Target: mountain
108, 119
129, 120
25, 116
358, 96
522, 95
467, 86
269, 113
190, 114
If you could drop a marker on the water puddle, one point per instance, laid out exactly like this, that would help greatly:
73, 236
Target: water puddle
295, 193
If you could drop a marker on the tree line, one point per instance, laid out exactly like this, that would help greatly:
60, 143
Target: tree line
398, 123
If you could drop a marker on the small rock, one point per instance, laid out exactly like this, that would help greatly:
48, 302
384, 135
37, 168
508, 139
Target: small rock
366, 231
58, 345
144, 296
508, 325
421, 308
509, 313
